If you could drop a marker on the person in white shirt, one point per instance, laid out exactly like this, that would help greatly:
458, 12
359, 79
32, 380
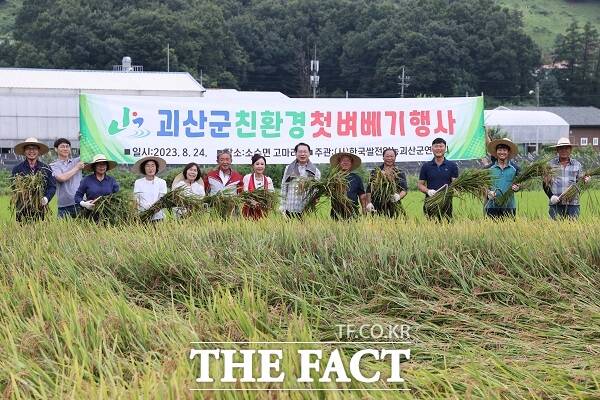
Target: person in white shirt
190, 180
255, 181
149, 189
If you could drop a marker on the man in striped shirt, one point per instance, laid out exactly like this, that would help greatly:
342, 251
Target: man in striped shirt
568, 171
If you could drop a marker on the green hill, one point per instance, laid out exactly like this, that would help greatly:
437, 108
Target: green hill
544, 19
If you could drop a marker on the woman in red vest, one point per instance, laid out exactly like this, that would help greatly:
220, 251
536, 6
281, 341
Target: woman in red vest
256, 180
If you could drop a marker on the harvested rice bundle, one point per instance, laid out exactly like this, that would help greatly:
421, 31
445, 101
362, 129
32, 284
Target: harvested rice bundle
471, 181
539, 169
262, 199
224, 204
334, 185
27, 193
178, 198
383, 188
114, 209
574, 190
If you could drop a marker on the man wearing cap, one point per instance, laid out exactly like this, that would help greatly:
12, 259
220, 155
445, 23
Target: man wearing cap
67, 172
32, 149
436, 173
224, 178
149, 189
293, 202
503, 173
567, 172
347, 163
98, 184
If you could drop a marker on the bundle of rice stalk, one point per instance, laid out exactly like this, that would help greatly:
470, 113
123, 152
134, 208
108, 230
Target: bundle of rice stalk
27, 193
539, 169
574, 190
333, 185
262, 199
225, 204
471, 181
178, 198
593, 172
114, 209
383, 188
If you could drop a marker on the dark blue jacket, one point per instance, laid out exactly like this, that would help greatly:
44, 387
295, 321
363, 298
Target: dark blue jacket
24, 169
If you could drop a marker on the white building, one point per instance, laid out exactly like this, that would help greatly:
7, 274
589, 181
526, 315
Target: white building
45, 103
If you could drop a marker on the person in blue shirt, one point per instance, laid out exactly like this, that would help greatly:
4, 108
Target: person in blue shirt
348, 162
435, 174
503, 173
98, 184
32, 149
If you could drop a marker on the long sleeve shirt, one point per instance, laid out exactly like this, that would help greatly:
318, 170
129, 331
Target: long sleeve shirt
92, 188
50, 183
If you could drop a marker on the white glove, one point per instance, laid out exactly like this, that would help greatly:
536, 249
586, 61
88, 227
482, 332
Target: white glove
395, 197
282, 210
44, 201
586, 179
554, 200
86, 204
430, 192
370, 207
491, 194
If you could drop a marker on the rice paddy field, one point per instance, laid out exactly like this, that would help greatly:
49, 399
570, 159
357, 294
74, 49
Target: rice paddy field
497, 310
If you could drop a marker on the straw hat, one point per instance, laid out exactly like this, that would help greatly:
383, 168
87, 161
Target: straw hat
161, 164
562, 142
99, 158
491, 147
178, 178
20, 148
335, 160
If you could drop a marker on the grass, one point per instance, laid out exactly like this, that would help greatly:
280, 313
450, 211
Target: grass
506, 310
544, 19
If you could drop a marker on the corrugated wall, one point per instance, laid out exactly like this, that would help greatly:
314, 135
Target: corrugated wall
46, 117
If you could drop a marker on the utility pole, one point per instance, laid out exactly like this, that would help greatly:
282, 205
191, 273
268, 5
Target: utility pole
537, 93
201, 78
403, 81
168, 59
314, 73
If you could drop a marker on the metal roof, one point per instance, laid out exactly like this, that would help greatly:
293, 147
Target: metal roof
30, 78
228, 94
525, 126
575, 116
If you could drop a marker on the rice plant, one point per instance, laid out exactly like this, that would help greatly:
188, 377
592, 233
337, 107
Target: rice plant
383, 188
471, 181
177, 198
262, 199
114, 209
537, 170
333, 186
27, 191
223, 204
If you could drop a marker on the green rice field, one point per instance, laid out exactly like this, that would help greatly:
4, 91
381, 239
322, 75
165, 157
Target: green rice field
497, 310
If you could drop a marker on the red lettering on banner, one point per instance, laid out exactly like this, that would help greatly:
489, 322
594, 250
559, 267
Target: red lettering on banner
323, 120
399, 117
420, 120
440, 123
346, 125
370, 123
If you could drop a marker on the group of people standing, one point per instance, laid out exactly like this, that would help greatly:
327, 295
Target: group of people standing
74, 191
